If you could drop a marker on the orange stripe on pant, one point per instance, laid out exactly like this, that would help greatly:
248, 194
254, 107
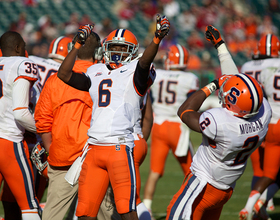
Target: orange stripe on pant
103, 164
16, 169
206, 206
164, 138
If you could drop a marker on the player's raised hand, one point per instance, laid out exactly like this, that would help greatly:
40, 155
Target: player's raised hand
215, 84
84, 32
163, 26
213, 35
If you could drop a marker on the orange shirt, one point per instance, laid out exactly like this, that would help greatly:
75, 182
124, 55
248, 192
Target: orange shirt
66, 113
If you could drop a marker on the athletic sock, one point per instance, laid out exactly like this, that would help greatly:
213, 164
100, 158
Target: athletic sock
253, 198
148, 203
142, 212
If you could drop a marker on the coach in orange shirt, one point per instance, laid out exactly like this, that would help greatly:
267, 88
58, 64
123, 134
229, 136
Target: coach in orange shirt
62, 118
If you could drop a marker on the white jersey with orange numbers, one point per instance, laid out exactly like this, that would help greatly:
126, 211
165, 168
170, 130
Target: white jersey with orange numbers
116, 105
270, 79
169, 91
254, 67
47, 67
11, 69
227, 142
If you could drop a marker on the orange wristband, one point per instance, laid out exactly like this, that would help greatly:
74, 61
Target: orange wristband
188, 110
206, 91
156, 40
77, 45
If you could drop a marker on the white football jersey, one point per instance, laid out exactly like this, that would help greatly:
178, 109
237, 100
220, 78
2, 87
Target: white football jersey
47, 67
116, 105
270, 78
227, 143
11, 69
254, 67
169, 91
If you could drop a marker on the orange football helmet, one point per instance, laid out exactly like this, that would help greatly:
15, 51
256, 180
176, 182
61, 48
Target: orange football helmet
59, 47
120, 37
176, 57
269, 45
242, 95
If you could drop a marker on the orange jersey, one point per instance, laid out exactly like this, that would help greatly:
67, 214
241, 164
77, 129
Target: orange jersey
66, 113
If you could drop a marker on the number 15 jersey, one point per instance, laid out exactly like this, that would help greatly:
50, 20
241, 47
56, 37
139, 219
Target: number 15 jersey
227, 143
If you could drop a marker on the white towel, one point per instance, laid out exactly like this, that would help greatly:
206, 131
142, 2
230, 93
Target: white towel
183, 143
73, 173
188, 208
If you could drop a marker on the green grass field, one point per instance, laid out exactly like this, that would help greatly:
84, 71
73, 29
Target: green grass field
173, 177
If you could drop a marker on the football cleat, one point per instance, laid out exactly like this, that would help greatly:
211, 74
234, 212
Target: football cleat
245, 215
242, 95
59, 47
270, 206
115, 57
260, 210
176, 57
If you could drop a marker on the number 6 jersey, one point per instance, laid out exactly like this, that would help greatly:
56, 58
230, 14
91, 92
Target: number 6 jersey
116, 103
227, 143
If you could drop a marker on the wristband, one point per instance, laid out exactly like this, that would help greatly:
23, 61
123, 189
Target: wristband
219, 43
156, 40
188, 110
208, 89
78, 45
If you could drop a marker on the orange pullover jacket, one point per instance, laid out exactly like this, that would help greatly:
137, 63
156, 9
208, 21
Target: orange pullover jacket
66, 113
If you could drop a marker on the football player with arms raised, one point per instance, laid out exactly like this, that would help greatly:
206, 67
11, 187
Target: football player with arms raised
18, 75
117, 89
168, 92
228, 138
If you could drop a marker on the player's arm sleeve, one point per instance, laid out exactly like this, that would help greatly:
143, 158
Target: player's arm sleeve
43, 111
143, 78
208, 125
20, 97
227, 65
79, 81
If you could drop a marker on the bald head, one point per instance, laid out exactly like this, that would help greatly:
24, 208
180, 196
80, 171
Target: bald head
12, 44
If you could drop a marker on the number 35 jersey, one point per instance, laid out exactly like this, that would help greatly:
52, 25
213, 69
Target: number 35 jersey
11, 69
116, 104
227, 143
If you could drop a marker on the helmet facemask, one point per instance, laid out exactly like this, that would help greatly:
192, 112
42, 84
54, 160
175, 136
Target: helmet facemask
117, 57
